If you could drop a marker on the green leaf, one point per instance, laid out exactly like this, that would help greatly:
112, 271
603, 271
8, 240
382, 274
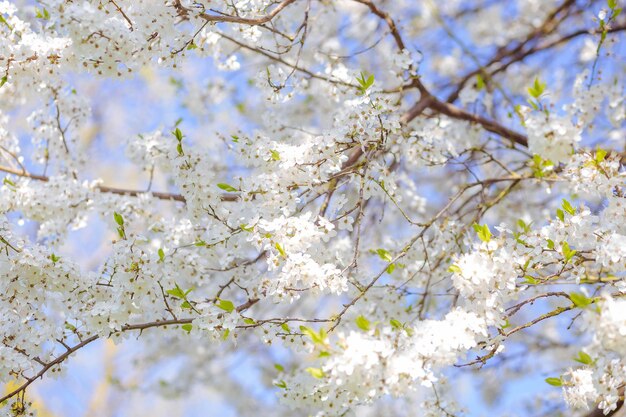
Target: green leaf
567, 206
4, 21
611, 3
483, 232
480, 82
42, 14
275, 155
384, 255
364, 83
550, 244
395, 324
186, 305
522, 225
191, 46
530, 280
281, 384
316, 337
280, 250
178, 134
600, 155
279, 367
315, 372
362, 323
161, 255
454, 269
285, 327
4, 79
54, 258
556, 382
248, 320
567, 252
179, 149
227, 187
176, 292
118, 219
580, 300
226, 305
537, 89
187, 327
583, 358
560, 214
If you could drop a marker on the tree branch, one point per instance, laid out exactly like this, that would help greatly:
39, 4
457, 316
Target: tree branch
113, 190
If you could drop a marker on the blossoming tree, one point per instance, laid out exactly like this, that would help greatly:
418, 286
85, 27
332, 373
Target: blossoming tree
370, 198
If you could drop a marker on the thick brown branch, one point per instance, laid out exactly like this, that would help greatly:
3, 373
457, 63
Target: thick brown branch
489, 125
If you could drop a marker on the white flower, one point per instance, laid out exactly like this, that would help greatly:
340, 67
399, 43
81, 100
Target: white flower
580, 390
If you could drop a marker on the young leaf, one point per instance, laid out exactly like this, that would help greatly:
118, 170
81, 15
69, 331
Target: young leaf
161, 255
395, 324
316, 337
537, 89
600, 155
118, 219
556, 382
483, 232
384, 255
226, 305
583, 358
315, 372
560, 214
454, 269
187, 327
176, 292
580, 300
42, 14
227, 187
178, 134
567, 206
280, 250
480, 82
530, 280
362, 323
567, 252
